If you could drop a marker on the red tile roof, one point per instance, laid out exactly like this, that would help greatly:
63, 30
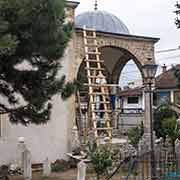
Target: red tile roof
131, 92
166, 80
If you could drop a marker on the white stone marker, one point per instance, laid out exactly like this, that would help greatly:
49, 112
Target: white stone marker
46, 167
81, 171
20, 149
27, 170
75, 141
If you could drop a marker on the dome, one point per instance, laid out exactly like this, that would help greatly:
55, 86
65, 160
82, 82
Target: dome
101, 21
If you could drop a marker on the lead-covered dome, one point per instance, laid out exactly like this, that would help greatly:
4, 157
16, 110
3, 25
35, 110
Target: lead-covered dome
101, 21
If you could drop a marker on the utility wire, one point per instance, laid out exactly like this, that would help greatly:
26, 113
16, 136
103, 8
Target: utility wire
170, 57
167, 50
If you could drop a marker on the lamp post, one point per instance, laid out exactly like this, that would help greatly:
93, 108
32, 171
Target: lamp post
149, 71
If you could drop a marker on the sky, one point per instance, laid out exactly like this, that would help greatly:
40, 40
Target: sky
154, 18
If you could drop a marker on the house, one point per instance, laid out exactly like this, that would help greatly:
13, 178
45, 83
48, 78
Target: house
131, 107
166, 90
132, 99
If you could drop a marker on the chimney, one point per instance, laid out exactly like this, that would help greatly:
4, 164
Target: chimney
164, 68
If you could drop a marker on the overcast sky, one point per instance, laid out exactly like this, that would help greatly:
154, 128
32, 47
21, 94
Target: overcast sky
145, 17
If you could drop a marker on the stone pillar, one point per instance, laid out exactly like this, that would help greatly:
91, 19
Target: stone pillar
147, 129
172, 96
147, 116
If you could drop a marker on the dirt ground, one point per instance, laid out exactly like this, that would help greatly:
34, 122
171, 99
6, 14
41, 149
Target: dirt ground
67, 175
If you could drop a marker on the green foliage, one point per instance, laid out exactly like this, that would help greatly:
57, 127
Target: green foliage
101, 159
32, 35
135, 134
177, 22
171, 128
160, 115
177, 74
60, 165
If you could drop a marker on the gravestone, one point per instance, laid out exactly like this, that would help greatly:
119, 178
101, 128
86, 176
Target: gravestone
27, 169
21, 147
91, 138
4, 172
81, 171
46, 167
75, 143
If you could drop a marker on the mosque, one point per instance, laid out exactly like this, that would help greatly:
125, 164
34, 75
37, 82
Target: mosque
117, 46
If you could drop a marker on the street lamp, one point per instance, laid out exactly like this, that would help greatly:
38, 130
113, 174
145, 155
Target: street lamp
149, 71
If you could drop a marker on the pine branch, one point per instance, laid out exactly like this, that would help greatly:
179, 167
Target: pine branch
32, 32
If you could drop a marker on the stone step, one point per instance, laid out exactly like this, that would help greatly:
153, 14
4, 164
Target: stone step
37, 167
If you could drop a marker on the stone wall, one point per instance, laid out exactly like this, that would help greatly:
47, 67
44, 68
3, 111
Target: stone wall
141, 48
127, 121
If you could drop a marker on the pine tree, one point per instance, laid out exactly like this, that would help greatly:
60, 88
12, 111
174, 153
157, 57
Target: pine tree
33, 37
178, 14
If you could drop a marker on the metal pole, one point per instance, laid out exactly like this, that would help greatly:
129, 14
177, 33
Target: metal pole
153, 163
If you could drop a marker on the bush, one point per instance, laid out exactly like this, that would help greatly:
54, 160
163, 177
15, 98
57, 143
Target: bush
60, 165
134, 135
101, 159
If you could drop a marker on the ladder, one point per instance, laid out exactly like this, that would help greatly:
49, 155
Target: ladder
97, 88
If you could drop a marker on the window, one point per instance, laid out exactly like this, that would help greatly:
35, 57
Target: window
133, 100
163, 97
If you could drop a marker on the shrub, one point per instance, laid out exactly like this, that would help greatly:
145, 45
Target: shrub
135, 134
101, 158
59, 165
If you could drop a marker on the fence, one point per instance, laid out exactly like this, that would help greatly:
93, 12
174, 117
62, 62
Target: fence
167, 167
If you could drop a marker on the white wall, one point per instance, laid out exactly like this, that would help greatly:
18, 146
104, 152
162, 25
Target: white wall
133, 106
51, 140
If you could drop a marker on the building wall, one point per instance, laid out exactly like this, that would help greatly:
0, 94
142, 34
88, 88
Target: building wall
52, 140
139, 105
167, 95
127, 121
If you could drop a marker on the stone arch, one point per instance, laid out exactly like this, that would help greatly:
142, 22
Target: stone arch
141, 49
81, 71
119, 63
